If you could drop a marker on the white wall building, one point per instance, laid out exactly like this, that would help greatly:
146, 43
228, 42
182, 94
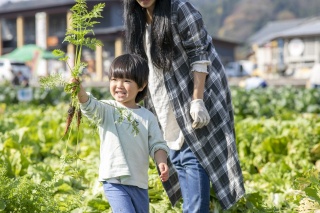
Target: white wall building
289, 47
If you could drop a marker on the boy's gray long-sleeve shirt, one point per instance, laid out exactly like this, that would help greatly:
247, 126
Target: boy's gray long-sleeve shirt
123, 156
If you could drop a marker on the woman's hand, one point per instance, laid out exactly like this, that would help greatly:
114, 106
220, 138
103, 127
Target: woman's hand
199, 114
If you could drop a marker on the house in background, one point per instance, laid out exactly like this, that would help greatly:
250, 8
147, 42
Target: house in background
225, 49
289, 47
44, 23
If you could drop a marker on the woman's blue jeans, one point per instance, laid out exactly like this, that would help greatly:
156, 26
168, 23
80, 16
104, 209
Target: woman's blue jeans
126, 199
194, 181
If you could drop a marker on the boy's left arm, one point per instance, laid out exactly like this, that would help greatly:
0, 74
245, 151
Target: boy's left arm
160, 157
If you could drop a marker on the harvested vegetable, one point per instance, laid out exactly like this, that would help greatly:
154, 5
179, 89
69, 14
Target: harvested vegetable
82, 23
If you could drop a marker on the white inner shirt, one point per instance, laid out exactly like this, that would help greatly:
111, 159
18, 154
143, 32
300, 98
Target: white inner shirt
160, 99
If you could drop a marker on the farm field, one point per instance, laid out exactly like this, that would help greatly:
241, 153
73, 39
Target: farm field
278, 140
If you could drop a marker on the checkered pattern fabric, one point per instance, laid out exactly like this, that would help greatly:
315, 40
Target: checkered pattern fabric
172, 185
215, 144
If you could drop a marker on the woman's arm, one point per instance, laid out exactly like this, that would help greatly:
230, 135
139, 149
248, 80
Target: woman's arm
192, 32
199, 82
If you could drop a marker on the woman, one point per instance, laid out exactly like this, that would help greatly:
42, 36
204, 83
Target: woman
189, 93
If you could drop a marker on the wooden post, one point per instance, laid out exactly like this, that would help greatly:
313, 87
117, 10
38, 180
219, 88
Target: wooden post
20, 31
70, 47
118, 47
1, 39
99, 65
317, 50
41, 41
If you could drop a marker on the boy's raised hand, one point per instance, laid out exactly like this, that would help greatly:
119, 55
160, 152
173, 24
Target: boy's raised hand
82, 95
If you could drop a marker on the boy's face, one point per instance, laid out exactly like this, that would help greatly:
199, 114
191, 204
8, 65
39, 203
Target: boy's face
124, 91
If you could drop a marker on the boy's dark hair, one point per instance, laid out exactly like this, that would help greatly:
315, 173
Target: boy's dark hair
132, 67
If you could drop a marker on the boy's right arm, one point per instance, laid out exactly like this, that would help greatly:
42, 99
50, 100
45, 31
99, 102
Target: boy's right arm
93, 109
82, 95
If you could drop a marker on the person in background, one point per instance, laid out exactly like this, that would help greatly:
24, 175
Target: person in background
254, 81
20, 80
124, 158
16, 79
189, 93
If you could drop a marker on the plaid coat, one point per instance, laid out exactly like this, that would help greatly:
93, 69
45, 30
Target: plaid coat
215, 144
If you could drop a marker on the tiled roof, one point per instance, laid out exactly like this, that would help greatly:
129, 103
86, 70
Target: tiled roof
32, 5
308, 28
272, 29
290, 28
38, 4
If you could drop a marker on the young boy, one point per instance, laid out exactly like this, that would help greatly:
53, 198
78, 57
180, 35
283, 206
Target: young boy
124, 158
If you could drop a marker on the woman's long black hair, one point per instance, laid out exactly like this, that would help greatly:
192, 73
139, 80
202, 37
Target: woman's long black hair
161, 36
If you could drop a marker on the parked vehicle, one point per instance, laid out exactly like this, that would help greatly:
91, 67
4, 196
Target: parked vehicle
239, 68
9, 68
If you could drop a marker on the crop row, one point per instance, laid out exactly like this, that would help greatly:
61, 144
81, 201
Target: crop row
41, 171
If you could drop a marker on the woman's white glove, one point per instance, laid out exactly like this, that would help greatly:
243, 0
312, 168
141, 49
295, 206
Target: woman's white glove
199, 114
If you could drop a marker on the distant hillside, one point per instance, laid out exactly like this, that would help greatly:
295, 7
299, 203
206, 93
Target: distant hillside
237, 20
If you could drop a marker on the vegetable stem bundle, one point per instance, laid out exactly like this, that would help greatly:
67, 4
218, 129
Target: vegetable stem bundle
82, 23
